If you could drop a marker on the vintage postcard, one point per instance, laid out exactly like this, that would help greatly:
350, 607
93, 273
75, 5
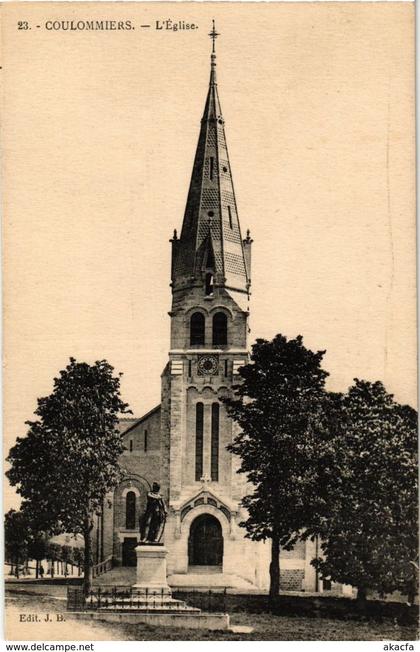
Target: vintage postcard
209, 321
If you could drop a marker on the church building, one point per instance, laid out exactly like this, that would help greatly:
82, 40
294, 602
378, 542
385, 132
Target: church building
181, 443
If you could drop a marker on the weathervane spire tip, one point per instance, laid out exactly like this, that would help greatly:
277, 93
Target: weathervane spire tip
213, 35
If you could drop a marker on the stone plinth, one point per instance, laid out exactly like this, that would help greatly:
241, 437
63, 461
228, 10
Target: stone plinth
211, 621
151, 568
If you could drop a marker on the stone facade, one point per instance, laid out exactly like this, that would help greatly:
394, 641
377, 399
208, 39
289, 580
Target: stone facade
141, 461
182, 442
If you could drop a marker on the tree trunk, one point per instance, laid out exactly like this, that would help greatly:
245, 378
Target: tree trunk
361, 598
52, 568
88, 571
36, 569
17, 566
411, 595
274, 568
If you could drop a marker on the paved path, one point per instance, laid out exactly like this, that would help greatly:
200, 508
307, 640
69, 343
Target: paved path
35, 609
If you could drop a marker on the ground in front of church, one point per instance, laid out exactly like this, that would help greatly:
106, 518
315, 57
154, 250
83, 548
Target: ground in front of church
266, 627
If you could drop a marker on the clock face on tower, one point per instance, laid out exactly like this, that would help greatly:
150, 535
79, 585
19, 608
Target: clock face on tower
208, 365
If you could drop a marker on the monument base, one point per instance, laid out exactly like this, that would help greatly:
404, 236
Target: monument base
150, 598
151, 569
188, 620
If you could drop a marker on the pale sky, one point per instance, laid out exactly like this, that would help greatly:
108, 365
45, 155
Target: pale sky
99, 136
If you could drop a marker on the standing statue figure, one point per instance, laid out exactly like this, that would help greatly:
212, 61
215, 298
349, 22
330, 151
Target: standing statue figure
152, 523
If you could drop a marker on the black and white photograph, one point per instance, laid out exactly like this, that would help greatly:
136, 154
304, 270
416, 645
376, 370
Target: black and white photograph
209, 296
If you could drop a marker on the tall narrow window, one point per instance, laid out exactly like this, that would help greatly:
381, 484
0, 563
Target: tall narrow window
130, 510
220, 328
131, 445
215, 411
211, 167
146, 443
199, 431
189, 368
209, 284
226, 367
230, 217
197, 328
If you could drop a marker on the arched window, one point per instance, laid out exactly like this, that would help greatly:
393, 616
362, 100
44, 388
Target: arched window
197, 325
215, 413
220, 328
199, 431
130, 510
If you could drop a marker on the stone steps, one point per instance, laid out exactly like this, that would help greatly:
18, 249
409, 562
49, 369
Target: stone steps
205, 570
181, 619
147, 608
118, 576
126, 576
161, 603
209, 581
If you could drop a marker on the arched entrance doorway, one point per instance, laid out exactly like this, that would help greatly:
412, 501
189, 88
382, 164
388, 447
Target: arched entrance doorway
205, 543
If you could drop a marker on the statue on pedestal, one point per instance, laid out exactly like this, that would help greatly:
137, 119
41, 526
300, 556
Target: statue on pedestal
152, 523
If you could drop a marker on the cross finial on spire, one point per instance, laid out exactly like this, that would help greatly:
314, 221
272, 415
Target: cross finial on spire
213, 35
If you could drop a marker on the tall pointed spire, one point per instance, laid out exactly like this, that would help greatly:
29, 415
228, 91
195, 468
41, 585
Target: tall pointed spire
210, 230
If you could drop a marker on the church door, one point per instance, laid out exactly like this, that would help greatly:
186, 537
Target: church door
205, 544
129, 557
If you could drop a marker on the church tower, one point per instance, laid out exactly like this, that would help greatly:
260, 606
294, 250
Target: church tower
210, 281
182, 442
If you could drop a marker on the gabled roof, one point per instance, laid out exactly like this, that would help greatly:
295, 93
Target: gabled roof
127, 425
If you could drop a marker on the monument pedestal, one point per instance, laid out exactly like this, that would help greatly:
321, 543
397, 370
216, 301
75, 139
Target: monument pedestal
151, 568
150, 599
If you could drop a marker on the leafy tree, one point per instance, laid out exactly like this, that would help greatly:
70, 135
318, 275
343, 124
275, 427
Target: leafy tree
66, 555
78, 556
369, 530
68, 460
37, 536
53, 554
16, 537
281, 408
37, 549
